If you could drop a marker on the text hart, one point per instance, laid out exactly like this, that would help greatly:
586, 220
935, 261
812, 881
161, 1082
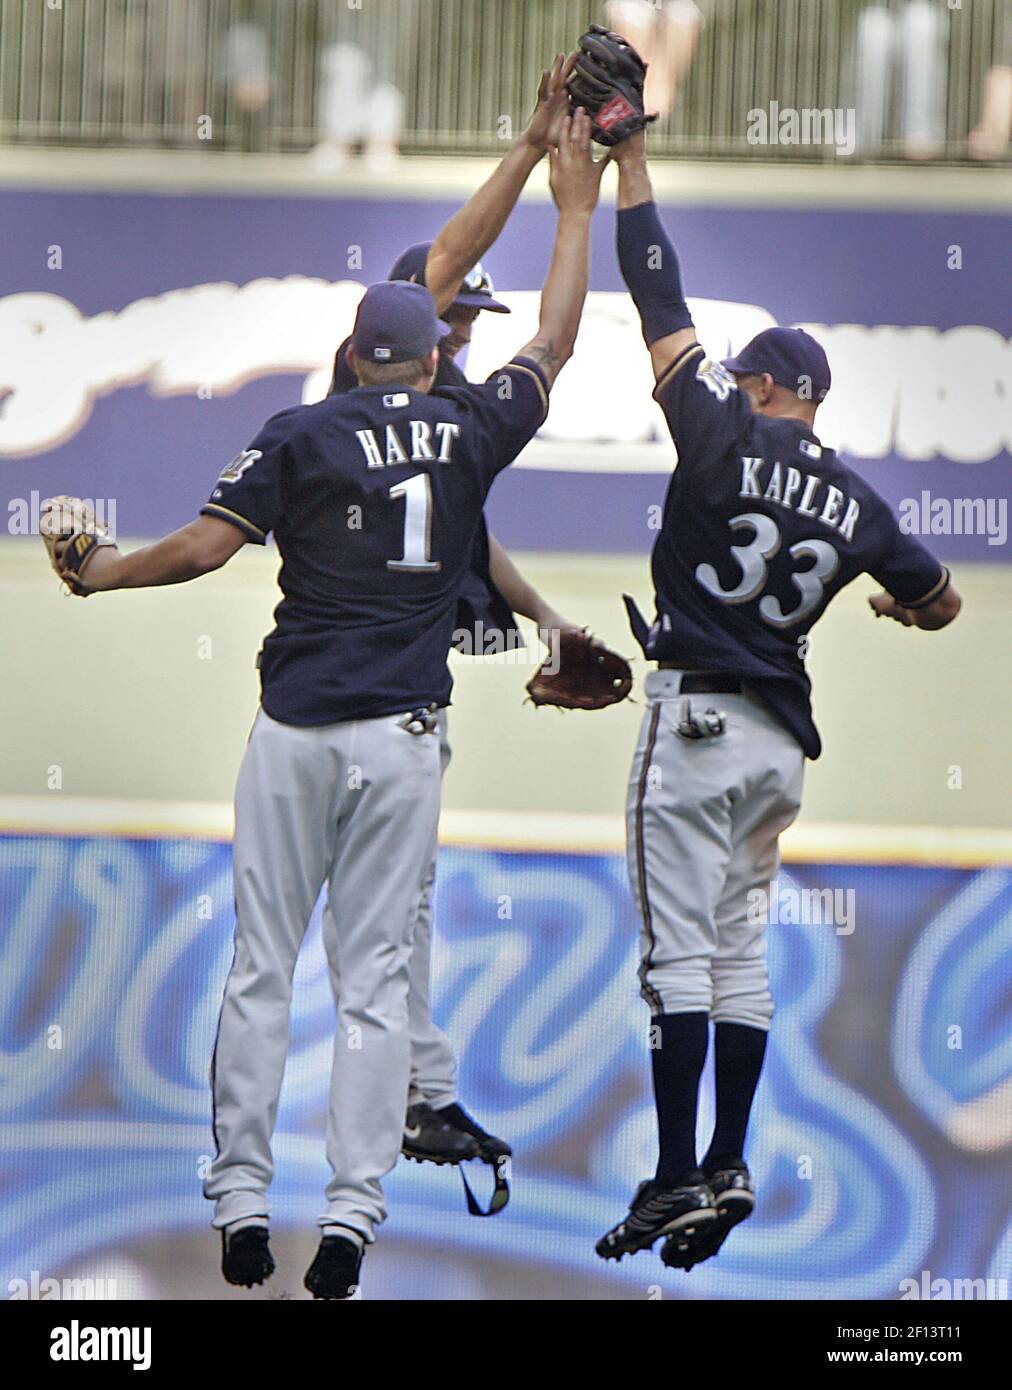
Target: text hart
420, 448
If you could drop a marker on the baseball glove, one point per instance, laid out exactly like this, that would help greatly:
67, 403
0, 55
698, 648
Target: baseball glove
588, 675
607, 81
71, 519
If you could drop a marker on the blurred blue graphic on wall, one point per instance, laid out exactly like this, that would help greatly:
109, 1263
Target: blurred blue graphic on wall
882, 1134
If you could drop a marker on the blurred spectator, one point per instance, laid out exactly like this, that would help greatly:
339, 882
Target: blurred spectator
908, 38
990, 137
360, 101
246, 74
665, 35
246, 64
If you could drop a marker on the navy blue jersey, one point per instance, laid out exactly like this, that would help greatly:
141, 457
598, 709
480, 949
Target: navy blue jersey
374, 499
484, 619
762, 527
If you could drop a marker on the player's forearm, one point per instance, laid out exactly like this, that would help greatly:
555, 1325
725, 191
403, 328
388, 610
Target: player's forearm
634, 186
471, 231
564, 291
177, 558
931, 618
518, 592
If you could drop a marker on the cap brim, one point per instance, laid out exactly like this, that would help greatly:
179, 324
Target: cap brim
472, 299
442, 328
735, 364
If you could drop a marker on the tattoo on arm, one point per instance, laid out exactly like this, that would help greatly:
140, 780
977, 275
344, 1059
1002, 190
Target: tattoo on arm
544, 354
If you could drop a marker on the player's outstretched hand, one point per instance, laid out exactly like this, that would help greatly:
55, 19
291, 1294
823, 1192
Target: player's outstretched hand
552, 105
575, 177
883, 605
75, 540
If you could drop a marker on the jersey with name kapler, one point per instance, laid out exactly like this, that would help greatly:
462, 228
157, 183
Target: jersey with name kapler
374, 499
762, 526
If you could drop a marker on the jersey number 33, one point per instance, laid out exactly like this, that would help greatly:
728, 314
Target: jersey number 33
752, 560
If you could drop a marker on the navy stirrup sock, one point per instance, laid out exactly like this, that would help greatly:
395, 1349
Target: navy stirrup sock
739, 1053
677, 1066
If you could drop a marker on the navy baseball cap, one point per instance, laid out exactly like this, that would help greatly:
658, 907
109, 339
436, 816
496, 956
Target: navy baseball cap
475, 292
791, 356
396, 321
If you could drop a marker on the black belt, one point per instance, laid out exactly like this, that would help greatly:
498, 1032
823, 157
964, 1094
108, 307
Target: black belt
703, 682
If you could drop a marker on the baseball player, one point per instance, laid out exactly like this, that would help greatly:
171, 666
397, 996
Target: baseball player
763, 525
374, 498
437, 1128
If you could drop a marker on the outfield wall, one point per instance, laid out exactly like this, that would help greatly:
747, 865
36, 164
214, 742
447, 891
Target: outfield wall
881, 1133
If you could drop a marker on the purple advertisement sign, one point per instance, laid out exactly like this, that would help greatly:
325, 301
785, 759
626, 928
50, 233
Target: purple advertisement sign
145, 337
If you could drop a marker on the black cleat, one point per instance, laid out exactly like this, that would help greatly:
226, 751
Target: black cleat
246, 1257
429, 1138
733, 1195
658, 1211
490, 1148
335, 1271
734, 1200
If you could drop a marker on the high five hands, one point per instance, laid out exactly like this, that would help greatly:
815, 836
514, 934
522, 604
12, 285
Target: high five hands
575, 177
552, 105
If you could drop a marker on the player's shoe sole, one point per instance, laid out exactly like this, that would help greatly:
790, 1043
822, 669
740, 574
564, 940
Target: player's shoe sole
334, 1273
655, 1213
246, 1258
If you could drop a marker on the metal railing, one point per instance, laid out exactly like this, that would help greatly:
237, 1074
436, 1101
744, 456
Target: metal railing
164, 72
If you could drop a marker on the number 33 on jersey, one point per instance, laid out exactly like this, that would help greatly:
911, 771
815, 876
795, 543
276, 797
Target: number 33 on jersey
762, 526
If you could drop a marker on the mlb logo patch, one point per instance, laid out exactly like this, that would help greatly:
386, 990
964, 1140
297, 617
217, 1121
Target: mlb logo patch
381, 354
396, 402
810, 450
614, 111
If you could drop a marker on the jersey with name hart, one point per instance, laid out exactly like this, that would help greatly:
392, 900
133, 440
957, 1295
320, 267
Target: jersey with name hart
374, 498
762, 527
485, 623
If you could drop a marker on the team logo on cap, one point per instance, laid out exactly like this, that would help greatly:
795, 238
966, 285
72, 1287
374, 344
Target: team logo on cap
478, 280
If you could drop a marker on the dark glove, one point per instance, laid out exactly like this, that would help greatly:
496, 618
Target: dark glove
607, 81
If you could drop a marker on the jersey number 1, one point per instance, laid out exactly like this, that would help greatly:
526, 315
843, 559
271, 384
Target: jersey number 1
417, 494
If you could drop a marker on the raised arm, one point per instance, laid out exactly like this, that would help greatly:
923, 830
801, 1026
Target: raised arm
576, 183
471, 231
648, 262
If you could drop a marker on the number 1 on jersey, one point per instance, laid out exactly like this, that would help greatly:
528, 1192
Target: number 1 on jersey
417, 494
